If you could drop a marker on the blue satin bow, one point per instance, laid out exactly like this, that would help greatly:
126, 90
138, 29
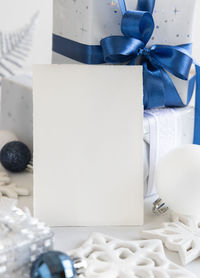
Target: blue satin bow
131, 48
137, 28
158, 61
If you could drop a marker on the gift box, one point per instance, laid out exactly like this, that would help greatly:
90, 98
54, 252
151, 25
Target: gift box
89, 21
22, 240
78, 24
25, 35
17, 107
164, 129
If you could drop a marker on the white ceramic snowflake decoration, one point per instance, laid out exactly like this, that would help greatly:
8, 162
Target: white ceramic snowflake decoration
182, 236
107, 257
9, 189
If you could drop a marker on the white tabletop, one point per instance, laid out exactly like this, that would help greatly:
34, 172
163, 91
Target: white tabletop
67, 238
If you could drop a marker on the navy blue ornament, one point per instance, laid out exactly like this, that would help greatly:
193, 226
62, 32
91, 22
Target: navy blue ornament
15, 156
53, 264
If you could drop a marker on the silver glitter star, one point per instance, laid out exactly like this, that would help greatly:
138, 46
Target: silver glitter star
176, 11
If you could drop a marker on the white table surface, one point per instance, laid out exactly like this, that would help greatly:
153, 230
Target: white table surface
67, 238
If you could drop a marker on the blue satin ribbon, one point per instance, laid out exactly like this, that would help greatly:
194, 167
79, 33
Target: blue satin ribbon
197, 108
158, 61
88, 54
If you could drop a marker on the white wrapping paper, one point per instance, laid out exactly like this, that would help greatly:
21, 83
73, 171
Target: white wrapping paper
164, 129
22, 239
88, 21
17, 107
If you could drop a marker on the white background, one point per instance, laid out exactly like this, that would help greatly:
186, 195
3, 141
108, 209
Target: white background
15, 14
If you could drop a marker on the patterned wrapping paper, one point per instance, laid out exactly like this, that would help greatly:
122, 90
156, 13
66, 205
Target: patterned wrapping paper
22, 240
88, 21
164, 129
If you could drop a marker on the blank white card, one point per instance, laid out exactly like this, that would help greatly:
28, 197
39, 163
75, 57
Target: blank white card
88, 134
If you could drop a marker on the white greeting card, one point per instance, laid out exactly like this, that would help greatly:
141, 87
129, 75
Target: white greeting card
88, 138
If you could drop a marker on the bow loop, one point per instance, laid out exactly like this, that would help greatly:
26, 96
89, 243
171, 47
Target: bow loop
138, 24
144, 5
173, 59
118, 49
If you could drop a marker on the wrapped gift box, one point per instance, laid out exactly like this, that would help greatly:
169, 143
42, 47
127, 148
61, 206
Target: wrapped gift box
17, 107
22, 240
164, 129
25, 28
89, 21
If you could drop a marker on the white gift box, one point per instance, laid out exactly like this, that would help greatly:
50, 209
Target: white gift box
17, 107
25, 35
22, 240
164, 129
89, 21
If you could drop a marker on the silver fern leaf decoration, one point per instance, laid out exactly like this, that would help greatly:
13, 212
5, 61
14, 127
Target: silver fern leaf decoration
15, 48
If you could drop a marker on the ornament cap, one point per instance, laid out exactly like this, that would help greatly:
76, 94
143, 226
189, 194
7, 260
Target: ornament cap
159, 207
80, 265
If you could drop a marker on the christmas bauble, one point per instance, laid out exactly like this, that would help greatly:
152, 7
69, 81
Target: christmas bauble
178, 180
15, 156
53, 264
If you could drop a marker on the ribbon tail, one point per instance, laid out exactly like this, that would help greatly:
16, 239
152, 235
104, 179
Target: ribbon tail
172, 98
154, 90
87, 54
197, 108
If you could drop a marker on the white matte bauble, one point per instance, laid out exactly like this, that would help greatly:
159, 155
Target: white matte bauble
6, 137
178, 180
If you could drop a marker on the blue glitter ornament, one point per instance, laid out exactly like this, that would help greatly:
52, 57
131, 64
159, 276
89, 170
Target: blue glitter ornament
15, 156
53, 264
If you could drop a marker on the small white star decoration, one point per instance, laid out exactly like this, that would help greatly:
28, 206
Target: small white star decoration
106, 257
182, 236
9, 189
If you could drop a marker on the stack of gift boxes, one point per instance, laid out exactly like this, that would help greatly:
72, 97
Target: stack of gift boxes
82, 24
79, 27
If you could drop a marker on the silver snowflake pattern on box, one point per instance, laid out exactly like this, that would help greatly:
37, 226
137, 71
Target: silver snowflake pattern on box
114, 258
